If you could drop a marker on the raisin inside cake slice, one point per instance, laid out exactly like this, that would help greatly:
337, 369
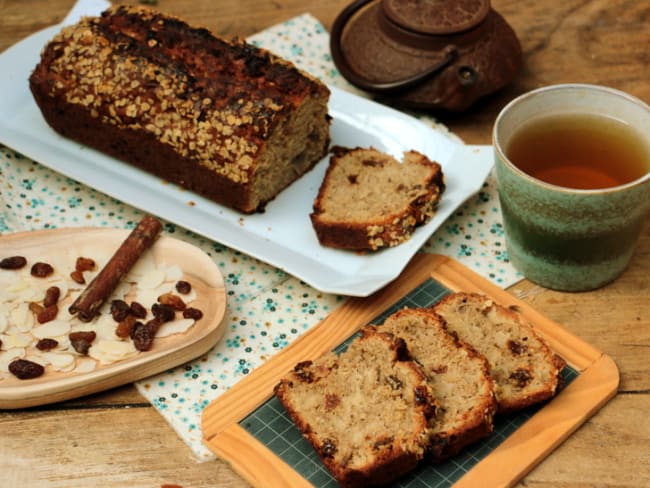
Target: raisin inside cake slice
458, 375
366, 411
369, 200
524, 368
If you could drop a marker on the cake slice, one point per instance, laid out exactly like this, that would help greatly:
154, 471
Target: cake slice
369, 200
459, 378
366, 411
524, 369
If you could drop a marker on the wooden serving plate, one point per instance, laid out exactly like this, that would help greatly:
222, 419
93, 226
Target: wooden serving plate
275, 455
166, 352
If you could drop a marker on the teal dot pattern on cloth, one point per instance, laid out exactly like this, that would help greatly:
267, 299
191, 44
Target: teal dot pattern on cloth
266, 308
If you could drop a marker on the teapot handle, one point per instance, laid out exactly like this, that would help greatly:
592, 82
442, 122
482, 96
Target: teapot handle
450, 54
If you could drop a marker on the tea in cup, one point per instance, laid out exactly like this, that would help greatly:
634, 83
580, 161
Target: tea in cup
573, 177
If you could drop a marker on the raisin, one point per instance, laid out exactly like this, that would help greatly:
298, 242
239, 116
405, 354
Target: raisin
13, 262
331, 401
383, 443
46, 344
183, 287
163, 312
373, 163
24, 369
36, 308
78, 277
41, 270
143, 334
84, 264
120, 310
329, 448
135, 327
192, 313
138, 310
47, 314
82, 340
174, 301
52, 295
301, 370
517, 348
438, 443
521, 377
421, 396
124, 327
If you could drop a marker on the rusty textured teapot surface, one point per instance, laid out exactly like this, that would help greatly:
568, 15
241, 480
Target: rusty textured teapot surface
429, 54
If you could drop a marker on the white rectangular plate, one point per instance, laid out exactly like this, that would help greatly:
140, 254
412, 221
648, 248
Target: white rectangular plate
281, 236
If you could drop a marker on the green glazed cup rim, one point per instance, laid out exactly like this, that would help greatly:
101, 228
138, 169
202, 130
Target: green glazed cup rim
566, 87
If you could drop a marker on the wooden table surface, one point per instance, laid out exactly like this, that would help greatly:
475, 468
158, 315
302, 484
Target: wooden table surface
117, 438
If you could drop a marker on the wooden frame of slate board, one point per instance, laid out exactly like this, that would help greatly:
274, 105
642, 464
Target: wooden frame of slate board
248, 428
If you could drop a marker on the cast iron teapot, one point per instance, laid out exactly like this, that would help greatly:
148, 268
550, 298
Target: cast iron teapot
429, 54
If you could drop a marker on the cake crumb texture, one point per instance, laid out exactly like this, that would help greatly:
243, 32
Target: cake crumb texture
524, 369
459, 378
369, 200
418, 388
366, 411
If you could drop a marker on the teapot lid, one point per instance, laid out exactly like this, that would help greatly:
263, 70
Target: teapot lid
436, 16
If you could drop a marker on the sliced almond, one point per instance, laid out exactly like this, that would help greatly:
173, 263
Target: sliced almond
105, 326
174, 327
51, 329
9, 355
18, 340
22, 317
60, 361
4, 323
85, 365
173, 273
152, 279
107, 351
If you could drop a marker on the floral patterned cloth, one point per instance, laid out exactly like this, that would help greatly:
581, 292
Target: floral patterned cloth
267, 309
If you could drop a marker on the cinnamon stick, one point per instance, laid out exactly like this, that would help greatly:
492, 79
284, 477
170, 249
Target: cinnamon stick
87, 305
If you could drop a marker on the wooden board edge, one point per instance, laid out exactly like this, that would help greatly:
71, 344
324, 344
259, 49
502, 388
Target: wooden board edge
91, 383
520, 452
256, 388
70, 387
597, 383
254, 462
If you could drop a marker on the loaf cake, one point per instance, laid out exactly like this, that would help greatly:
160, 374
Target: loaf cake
221, 118
524, 369
369, 200
459, 379
366, 411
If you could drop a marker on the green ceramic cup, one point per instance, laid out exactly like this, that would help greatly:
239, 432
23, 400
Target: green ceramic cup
561, 238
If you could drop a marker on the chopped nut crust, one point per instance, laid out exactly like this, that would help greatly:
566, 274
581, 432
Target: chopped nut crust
210, 101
